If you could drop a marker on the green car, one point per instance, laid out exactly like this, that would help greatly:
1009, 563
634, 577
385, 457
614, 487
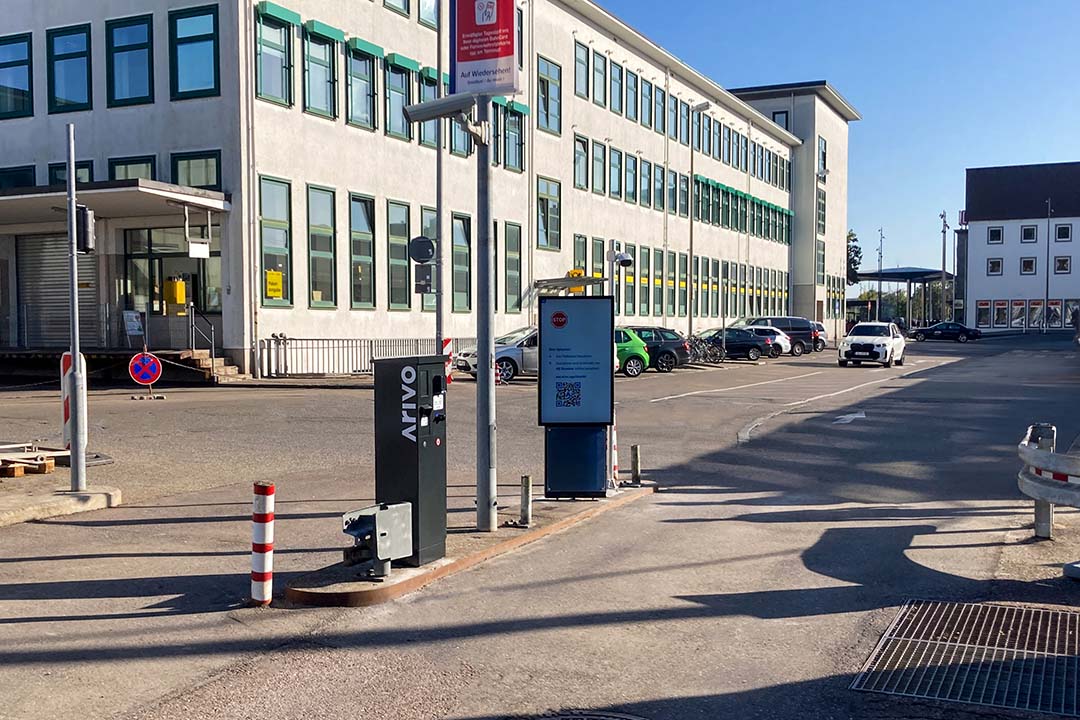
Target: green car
632, 352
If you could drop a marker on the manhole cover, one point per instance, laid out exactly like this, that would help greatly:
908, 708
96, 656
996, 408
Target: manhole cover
1013, 657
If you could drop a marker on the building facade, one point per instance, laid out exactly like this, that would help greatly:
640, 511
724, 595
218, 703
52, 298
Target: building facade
276, 132
1018, 269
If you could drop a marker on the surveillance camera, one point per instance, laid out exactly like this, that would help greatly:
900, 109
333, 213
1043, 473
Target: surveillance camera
624, 259
448, 106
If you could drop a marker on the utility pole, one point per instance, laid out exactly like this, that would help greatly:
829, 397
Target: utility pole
486, 476
76, 391
700, 109
1046, 297
440, 144
880, 256
944, 260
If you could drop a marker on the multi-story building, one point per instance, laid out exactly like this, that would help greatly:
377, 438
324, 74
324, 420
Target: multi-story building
1018, 248
281, 129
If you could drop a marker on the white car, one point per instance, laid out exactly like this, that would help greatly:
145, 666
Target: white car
822, 337
872, 342
781, 341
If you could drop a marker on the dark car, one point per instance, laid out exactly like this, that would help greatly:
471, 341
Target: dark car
667, 348
800, 330
740, 343
946, 331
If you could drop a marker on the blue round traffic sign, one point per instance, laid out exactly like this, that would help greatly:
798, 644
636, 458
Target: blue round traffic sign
145, 368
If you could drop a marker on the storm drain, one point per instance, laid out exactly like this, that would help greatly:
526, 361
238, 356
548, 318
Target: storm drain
1013, 657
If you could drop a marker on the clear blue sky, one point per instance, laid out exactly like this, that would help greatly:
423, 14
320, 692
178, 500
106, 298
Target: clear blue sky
942, 86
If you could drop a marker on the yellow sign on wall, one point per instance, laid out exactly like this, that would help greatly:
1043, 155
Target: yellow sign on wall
576, 273
175, 291
275, 284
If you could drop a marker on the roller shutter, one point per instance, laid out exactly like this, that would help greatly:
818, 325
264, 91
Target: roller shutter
42, 270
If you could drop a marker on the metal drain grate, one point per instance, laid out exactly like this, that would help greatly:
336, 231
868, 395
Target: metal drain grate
1013, 657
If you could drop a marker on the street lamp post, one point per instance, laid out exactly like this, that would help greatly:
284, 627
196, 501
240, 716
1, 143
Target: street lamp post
880, 255
944, 230
1046, 297
699, 108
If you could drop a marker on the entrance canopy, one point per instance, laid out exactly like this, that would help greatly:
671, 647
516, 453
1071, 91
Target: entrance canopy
906, 274
110, 199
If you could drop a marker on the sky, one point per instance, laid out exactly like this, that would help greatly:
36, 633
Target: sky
941, 85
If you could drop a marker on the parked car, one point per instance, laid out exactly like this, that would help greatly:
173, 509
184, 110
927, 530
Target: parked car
946, 331
515, 354
667, 348
781, 343
631, 352
872, 342
740, 342
801, 332
822, 338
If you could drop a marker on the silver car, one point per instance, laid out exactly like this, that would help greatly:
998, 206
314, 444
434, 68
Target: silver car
515, 354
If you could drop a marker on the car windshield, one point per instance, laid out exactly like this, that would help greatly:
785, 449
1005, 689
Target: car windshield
870, 331
514, 337
708, 333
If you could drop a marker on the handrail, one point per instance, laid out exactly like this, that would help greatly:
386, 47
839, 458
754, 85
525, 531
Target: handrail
193, 327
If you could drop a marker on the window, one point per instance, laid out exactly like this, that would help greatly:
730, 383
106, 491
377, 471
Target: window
84, 172
362, 250
1063, 233
129, 61
646, 183
683, 260
822, 158
275, 228
706, 135
549, 223
1063, 265
429, 131
684, 195
581, 162
670, 277
631, 184
716, 141
520, 27
321, 242
581, 70
780, 117
646, 103
615, 174
672, 191
993, 266
658, 283
69, 69
581, 251
821, 212
193, 53
515, 140
401, 6
496, 116
658, 110
16, 77
397, 255
616, 88
548, 95
684, 123
361, 67
429, 13
197, 169
18, 177
820, 262
1027, 266
460, 140
743, 144
134, 167
599, 167
462, 261
597, 266
512, 268
995, 236
1029, 233
397, 97
631, 96
673, 117
714, 292
727, 145
429, 228
695, 129
643, 281
599, 89
273, 61
658, 187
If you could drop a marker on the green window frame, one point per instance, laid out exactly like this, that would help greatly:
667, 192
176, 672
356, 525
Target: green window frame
129, 168
320, 75
670, 282
581, 70
548, 95
820, 212
714, 290
429, 228
362, 251
673, 117
549, 214
398, 95
398, 290
17, 177
684, 123
630, 184
672, 191
322, 243
658, 187
643, 280
658, 110
581, 162
820, 262
597, 271
599, 167
629, 283
599, 79
16, 76
658, 282
615, 92
398, 6
84, 172
126, 83
363, 91
275, 223
460, 140
684, 195
429, 131
631, 96
70, 60
273, 60
725, 217
197, 169
462, 262
615, 160
514, 150
429, 13
645, 187
512, 267
695, 286
581, 252
646, 103
187, 38
684, 262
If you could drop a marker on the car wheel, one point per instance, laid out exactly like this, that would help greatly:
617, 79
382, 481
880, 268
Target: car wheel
797, 349
507, 369
774, 352
842, 363
962, 338
666, 362
819, 346
887, 363
753, 354
900, 361
633, 367
920, 337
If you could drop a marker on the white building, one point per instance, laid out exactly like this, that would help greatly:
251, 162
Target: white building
1021, 224
283, 126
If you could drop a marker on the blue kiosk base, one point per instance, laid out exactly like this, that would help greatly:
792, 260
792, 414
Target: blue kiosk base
575, 459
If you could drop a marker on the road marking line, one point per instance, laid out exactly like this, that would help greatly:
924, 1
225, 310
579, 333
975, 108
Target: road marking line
849, 418
737, 387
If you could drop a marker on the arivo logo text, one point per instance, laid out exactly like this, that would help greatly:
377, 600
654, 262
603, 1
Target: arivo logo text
408, 402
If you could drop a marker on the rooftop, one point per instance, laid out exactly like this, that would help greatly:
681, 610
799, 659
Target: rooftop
821, 88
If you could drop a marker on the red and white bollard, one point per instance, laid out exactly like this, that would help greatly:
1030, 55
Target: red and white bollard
262, 544
65, 397
449, 353
498, 376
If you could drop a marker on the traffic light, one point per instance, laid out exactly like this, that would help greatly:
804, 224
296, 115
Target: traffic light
576, 273
84, 229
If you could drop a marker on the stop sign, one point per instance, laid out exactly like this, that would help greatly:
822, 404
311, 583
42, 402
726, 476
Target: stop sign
558, 319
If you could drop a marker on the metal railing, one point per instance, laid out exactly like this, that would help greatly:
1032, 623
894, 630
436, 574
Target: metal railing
283, 356
195, 332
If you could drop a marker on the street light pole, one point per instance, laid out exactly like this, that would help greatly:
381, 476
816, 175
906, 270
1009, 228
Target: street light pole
944, 260
1046, 297
880, 255
440, 145
77, 380
486, 482
695, 295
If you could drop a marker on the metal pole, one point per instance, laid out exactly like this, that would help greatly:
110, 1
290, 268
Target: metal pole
486, 476
440, 143
691, 290
78, 381
944, 260
1046, 298
525, 519
880, 256
1046, 439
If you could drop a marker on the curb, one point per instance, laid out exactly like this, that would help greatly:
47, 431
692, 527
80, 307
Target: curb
411, 582
60, 503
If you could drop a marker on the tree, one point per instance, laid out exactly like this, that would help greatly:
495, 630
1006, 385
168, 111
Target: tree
854, 257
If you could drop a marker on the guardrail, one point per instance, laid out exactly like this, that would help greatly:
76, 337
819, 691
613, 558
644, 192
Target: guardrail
1049, 478
283, 356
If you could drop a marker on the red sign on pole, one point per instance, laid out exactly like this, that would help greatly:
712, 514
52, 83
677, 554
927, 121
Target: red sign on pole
483, 54
145, 368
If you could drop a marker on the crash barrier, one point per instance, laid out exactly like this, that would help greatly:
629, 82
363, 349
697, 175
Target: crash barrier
262, 544
1050, 478
282, 356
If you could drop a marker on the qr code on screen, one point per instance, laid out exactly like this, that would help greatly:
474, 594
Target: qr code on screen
567, 394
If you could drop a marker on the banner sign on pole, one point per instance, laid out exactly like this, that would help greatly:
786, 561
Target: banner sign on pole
483, 49
577, 367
